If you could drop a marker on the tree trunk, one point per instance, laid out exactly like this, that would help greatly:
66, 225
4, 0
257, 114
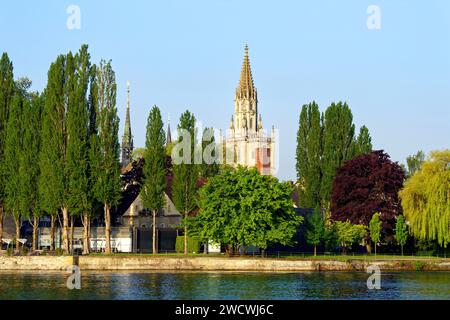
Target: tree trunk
1, 224
155, 248
71, 234
205, 247
315, 251
375, 249
17, 222
65, 235
107, 229
52, 235
35, 232
368, 248
86, 242
401, 249
185, 240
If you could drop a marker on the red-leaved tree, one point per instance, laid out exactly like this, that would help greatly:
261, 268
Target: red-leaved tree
365, 185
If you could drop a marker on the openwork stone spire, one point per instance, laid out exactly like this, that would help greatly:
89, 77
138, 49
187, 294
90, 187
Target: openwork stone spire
246, 88
127, 138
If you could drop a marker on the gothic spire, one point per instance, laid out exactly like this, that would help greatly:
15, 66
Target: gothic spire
246, 88
127, 138
169, 135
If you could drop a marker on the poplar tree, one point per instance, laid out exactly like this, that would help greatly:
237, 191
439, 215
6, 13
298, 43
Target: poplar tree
11, 162
363, 143
154, 168
28, 166
76, 169
51, 186
309, 154
6, 93
105, 148
184, 188
209, 153
338, 136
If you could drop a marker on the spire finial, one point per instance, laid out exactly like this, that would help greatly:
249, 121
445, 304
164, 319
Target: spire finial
246, 87
128, 94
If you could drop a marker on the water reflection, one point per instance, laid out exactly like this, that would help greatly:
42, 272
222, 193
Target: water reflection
223, 285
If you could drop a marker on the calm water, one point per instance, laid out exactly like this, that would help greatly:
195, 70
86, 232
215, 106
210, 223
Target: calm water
214, 285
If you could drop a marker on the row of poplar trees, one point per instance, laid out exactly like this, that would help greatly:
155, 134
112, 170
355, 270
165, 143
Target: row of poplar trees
324, 142
59, 149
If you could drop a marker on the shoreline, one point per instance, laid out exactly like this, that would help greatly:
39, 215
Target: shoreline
240, 264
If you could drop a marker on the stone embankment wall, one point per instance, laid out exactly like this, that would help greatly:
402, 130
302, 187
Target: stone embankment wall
143, 263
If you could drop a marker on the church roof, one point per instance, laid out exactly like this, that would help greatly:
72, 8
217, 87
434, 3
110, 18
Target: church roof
246, 88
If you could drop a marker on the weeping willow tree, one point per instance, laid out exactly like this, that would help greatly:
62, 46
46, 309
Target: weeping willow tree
426, 199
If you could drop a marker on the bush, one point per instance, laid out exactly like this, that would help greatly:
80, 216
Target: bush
59, 251
44, 252
25, 251
193, 244
10, 251
419, 265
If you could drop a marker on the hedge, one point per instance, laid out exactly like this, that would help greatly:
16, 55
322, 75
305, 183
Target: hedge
193, 244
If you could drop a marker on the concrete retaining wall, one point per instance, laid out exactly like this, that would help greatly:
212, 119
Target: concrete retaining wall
209, 264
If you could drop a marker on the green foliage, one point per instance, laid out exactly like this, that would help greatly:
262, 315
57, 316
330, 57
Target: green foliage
338, 135
315, 231
105, 149
13, 150
401, 231
6, 93
28, 166
348, 234
184, 188
425, 199
415, 162
363, 143
245, 208
309, 154
76, 170
59, 252
138, 153
209, 153
51, 184
375, 228
193, 244
154, 166
419, 265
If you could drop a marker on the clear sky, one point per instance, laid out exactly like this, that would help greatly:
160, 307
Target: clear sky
188, 54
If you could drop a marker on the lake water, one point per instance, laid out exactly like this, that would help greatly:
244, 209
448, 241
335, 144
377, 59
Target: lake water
220, 285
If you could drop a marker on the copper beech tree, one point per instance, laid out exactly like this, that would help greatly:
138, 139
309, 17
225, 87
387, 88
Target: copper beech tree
366, 185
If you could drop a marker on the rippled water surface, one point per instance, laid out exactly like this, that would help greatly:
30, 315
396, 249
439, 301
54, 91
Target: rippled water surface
219, 285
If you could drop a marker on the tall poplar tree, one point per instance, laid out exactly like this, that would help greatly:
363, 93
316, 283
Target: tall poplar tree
77, 143
363, 143
11, 162
154, 168
6, 93
51, 186
28, 166
338, 136
105, 152
184, 189
309, 154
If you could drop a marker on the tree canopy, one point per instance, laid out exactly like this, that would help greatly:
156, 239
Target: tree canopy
366, 184
243, 207
425, 199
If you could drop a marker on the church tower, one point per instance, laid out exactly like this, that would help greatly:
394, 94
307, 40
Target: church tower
127, 138
246, 140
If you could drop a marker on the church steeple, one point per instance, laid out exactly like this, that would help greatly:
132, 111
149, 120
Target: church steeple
127, 138
246, 99
169, 134
246, 88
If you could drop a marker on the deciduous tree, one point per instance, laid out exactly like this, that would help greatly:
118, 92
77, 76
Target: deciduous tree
426, 199
375, 230
401, 232
154, 167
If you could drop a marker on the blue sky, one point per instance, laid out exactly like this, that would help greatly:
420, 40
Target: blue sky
187, 55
